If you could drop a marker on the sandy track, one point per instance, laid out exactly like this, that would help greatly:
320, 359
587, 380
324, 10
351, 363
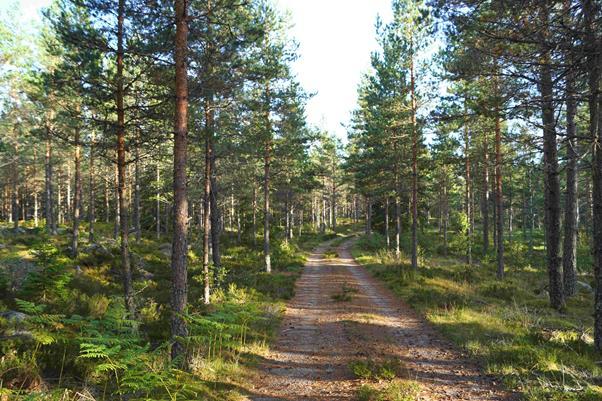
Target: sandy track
319, 337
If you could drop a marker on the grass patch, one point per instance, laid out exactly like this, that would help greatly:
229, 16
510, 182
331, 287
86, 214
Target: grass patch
396, 390
331, 254
369, 369
506, 325
346, 293
75, 337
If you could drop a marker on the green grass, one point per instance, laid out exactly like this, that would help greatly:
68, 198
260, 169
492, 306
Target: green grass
345, 294
506, 325
369, 369
396, 390
78, 340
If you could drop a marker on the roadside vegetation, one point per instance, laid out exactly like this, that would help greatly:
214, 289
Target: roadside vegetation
507, 325
66, 336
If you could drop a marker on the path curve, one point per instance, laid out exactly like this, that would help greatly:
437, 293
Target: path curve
320, 336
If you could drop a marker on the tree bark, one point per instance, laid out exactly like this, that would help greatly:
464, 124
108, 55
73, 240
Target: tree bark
116, 223
593, 47
414, 168
207, 202
267, 161
499, 198
48, 189
216, 215
179, 291
368, 216
552, 183
266, 200
485, 201
467, 194
571, 217
77, 195
15, 184
387, 239
126, 271
92, 193
137, 227
158, 202
254, 205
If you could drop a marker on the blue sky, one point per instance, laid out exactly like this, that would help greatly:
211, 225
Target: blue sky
335, 37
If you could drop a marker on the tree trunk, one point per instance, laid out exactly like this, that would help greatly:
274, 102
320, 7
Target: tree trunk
266, 206
216, 215
77, 196
206, 203
158, 202
92, 201
569, 254
593, 47
531, 212
137, 226
59, 203
124, 223
467, 195
388, 241
15, 184
48, 190
499, 198
267, 160
368, 216
116, 223
107, 201
485, 200
179, 291
552, 183
254, 228
414, 168
445, 217
69, 204
287, 226
398, 192
333, 198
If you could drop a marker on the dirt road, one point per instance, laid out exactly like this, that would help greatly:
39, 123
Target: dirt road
324, 330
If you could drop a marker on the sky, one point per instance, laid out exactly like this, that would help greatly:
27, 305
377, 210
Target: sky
335, 37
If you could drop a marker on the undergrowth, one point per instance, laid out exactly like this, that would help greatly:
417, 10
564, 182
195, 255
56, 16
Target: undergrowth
507, 325
65, 335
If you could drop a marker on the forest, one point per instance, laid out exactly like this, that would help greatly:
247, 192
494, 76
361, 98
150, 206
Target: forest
174, 227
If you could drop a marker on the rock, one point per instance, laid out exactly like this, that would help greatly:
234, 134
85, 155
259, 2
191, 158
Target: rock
146, 275
21, 334
19, 230
16, 271
165, 249
98, 250
584, 287
2, 246
14, 316
137, 261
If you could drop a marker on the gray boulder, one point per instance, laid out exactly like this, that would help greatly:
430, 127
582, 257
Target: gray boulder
584, 287
98, 250
14, 316
165, 249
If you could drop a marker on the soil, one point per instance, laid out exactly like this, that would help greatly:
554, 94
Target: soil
340, 315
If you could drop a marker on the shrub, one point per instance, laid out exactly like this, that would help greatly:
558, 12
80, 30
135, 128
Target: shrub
49, 283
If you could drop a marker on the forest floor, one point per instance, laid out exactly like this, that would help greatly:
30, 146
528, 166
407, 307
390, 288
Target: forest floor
346, 336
